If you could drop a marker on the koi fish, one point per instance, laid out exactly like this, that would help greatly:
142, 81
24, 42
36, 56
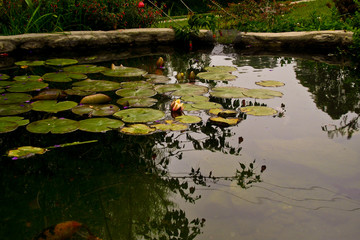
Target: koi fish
65, 231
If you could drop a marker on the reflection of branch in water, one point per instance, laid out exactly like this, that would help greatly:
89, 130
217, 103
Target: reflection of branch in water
260, 200
345, 128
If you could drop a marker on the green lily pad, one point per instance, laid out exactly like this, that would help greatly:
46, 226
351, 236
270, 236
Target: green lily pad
30, 63
78, 92
50, 94
63, 76
184, 89
216, 76
188, 107
137, 101
136, 92
195, 99
25, 78
223, 112
95, 99
25, 152
188, 119
14, 109
137, 129
6, 126
53, 106
221, 69
157, 79
98, 110
262, 93
85, 69
6, 83
4, 76
11, 98
258, 110
139, 115
60, 62
16, 119
136, 84
53, 125
229, 92
170, 126
225, 122
206, 105
100, 124
125, 72
270, 83
96, 85
27, 86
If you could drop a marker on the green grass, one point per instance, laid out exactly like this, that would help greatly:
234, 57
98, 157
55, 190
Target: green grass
307, 9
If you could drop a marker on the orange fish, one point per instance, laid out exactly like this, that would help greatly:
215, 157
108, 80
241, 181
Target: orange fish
65, 231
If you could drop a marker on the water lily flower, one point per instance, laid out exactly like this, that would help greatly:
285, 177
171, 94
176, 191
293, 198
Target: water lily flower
160, 62
177, 106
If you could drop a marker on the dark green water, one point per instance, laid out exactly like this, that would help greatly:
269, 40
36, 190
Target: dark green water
294, 176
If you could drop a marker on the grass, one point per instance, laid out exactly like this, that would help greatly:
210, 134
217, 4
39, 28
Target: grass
307, 9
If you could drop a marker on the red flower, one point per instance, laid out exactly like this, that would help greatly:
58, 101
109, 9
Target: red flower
141, 4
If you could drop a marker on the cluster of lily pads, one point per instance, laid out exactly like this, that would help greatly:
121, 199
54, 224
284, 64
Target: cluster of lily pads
132, 113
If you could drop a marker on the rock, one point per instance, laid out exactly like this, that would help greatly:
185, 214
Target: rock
7, 46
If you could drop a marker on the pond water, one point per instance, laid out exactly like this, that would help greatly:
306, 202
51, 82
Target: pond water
293, 174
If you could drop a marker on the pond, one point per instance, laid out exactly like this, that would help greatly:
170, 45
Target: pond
287, 170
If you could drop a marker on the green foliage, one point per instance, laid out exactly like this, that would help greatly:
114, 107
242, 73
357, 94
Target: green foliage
24, 16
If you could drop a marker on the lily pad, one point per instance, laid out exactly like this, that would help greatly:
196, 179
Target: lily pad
137, 129
14, 109
53, 106
125, 72
63, 76
50, 94
11, 98
137, 101
224, 121
136, 84
100, 124
139, 115
229, 92
206, 105
30, 63
262, 93
85, 69
184, 89
270, 83
53, 125
188, 119
99, 110
20, 121
25, 152
221, 69
170, 125
4, 76
216, 76
188, 107
60, 62
95, 99
96, 85
258, 110
157, 79
78, 92
27, 86
223, 112
195, 98
8, 124
136, 92
25, 78
6, 83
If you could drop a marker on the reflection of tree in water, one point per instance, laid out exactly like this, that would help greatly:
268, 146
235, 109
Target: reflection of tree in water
346, 127
119, 187
257, 62
335, 96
